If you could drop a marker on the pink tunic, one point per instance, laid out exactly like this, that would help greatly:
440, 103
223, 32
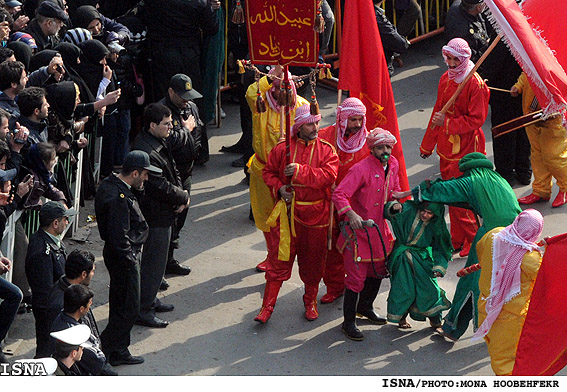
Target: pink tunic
365, 189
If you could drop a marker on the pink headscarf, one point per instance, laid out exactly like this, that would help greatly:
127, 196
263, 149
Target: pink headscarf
303, 116
380, 136
351, 107
272, 101
508, 249
459, 48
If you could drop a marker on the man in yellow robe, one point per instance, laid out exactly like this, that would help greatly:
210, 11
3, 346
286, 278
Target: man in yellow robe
510, 260
265, 135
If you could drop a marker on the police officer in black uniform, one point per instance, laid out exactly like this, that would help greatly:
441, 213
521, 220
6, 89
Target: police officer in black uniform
124, 230
465, 19
183, 142
45, 264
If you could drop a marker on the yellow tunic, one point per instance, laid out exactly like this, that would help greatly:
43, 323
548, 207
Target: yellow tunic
548, 141
265, 135
503, 337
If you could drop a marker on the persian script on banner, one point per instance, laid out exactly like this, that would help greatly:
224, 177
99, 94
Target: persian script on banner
281, 32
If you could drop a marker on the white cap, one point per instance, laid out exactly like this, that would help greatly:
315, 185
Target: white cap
76, 335
49, 364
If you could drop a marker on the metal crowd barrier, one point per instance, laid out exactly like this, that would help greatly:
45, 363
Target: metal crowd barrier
31, 217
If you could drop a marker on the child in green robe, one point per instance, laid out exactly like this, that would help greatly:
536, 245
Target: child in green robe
421, 254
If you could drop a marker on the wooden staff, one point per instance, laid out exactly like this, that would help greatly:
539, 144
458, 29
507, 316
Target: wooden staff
282, 122
499, 89
287, 108
332, 206
452, 100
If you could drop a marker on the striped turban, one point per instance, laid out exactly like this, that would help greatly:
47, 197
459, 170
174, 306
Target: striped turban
351, 107
380, 136
303, 116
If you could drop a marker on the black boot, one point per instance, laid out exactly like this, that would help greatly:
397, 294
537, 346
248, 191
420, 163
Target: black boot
349, 310
367, 297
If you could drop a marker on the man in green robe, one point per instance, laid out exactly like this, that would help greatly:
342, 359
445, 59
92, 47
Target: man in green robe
490, 196
421, 254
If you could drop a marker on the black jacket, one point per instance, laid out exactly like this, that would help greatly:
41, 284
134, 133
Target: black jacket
45, 264
163, 192
186, 20
93, 358
42, 41
473, 29
180, 141
121, 224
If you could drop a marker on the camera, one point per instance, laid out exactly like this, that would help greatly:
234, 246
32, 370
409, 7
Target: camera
18, 140
115, 47
185, 113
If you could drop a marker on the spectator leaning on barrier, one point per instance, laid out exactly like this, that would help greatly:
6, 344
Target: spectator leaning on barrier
10, 294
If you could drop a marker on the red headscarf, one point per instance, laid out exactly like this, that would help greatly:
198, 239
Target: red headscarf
351, 107
508, 249
459, 48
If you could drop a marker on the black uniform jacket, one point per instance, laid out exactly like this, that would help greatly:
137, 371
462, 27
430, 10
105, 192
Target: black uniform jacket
121, 224
163, 192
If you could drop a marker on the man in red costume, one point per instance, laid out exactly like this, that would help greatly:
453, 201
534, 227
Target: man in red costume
458, 131
361, 196
348, 136
300, 217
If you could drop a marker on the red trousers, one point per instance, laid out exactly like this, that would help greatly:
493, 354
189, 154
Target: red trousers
334, 273
463, 222
310, 247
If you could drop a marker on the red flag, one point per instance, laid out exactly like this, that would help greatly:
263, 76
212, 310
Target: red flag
364, 73
536, 38
542, 347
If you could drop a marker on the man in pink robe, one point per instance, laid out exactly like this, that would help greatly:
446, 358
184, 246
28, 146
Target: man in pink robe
361, 195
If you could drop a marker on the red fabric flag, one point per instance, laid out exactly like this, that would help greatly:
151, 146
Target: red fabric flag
536, 38
542, 347
364, 73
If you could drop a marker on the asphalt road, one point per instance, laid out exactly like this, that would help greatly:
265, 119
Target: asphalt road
212, 331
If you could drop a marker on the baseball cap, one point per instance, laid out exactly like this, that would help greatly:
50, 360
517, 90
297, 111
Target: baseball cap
52, 10
138, 159
54, 210
77, 335
7, 175
472, 2
183, 87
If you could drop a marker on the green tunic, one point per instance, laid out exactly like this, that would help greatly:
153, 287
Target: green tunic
492, 198
420, 249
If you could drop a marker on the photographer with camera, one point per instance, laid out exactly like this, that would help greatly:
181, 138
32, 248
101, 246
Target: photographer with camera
183, 142
111, 33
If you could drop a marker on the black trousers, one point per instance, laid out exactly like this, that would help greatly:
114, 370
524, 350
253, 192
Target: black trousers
512, 150
152, 268
42, 329
124, 302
